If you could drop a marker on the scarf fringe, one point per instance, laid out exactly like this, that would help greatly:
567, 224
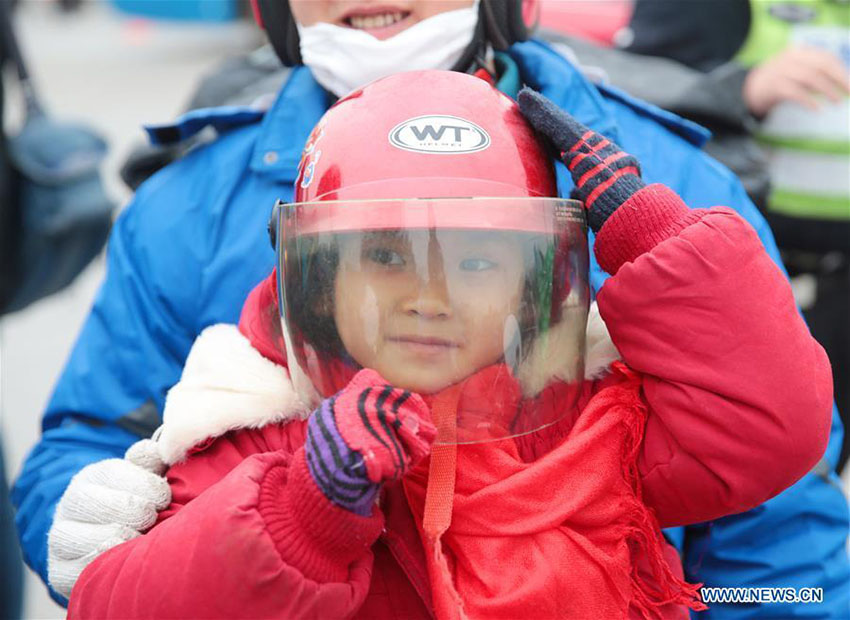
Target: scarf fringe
451, 607
643, 534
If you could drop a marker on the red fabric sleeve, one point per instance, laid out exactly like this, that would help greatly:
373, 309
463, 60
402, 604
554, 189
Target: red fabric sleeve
738, 390
648, 217
259, 542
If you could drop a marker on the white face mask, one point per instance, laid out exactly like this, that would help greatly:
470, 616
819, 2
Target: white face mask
343, 59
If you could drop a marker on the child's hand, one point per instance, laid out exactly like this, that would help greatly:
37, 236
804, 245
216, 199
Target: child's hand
604, 176
367, 434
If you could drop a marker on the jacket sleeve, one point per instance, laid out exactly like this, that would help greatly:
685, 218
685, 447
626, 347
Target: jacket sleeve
739, 392
260, 542
799, 537
129, 352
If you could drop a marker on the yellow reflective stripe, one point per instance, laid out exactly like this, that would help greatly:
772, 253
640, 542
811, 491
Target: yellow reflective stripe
769, 34
809, 145
809, 206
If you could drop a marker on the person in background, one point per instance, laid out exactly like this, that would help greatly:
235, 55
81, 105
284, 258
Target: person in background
788, 62
205, 213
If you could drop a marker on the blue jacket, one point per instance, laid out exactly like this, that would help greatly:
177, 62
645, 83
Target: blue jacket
193, 243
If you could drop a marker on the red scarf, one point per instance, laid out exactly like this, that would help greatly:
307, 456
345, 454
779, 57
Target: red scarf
553, 538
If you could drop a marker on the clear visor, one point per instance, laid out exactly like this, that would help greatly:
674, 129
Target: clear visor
482, 298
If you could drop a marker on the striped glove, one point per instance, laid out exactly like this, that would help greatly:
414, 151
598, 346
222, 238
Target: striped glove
604, 176
367, 434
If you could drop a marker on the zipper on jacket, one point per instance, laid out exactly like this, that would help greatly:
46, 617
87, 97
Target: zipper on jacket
420, 582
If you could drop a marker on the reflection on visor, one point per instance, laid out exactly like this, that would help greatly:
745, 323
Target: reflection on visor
499, 312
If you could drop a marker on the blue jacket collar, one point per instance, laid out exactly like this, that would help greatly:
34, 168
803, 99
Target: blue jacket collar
287, 124
302, 101
546, 71
508, 71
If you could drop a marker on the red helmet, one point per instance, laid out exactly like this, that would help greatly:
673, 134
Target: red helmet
436, 171
413, 135
425, 134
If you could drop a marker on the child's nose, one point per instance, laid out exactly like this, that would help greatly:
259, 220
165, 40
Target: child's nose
430, 300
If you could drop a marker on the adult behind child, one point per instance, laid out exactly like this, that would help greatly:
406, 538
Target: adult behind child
183, 257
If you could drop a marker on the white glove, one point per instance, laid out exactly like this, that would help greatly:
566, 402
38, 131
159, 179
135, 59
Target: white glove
106, 503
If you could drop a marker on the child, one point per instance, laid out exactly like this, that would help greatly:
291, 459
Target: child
468, 454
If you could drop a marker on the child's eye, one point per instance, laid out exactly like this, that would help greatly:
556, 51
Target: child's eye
385, 257
476, 264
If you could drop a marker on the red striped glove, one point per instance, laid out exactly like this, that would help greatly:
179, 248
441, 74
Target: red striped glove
367, 434
604, 176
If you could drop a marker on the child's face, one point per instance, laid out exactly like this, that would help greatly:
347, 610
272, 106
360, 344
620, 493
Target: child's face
427, 309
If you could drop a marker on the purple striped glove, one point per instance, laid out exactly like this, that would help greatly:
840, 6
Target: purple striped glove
367, 434
604, 176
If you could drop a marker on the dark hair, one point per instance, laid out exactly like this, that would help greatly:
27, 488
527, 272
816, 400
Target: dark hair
311, 310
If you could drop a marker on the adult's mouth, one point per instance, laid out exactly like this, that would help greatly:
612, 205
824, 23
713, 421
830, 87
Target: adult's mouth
382, 22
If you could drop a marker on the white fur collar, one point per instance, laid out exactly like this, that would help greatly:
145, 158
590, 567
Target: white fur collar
227, 385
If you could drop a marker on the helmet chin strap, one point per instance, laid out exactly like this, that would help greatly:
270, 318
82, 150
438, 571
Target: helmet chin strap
485, 66
475, 55
439, 501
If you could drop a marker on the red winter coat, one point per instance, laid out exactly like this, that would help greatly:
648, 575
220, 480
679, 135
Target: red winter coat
738, 394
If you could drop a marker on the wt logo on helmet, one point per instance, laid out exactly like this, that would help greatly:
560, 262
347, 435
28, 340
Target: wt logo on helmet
440, 134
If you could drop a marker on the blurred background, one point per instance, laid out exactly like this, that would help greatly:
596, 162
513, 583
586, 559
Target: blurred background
112, 70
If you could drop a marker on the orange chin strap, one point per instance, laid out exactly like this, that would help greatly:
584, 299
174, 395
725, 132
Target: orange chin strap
439, 499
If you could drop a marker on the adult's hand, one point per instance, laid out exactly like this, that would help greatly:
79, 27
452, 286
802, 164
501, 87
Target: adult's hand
106, 504
800, 74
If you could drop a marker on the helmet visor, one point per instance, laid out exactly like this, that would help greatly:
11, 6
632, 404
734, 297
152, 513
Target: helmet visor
484, 297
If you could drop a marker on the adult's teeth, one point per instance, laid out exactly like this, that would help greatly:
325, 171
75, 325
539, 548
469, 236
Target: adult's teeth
375, 21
